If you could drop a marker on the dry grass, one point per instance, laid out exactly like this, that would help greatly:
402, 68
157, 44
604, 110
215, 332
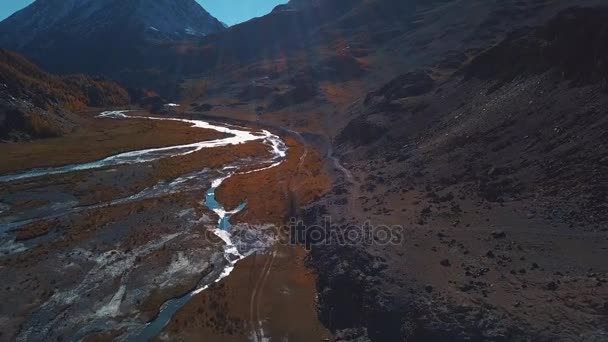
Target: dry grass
77, 229
286, 303
33, 231
41, 126
97, 139
271, 195
212, 158
343, 94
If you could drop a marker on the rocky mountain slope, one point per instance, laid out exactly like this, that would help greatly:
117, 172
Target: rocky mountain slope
328, 54
35, 104
100, 35
494, 173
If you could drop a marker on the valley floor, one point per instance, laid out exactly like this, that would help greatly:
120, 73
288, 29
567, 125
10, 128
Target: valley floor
95, 254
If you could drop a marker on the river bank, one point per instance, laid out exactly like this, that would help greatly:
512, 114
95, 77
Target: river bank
151, 239
270, 295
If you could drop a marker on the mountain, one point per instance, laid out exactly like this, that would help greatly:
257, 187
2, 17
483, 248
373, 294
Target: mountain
97, 35
35, 104
302, 50
490, 163
476, 128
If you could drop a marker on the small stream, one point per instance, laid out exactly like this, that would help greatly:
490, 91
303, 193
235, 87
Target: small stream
232, 255
231, 252
237, 135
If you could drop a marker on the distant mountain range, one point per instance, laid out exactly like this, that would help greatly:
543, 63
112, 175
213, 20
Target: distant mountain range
74, 35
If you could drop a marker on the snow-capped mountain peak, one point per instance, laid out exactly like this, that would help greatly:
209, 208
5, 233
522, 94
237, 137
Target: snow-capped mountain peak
150, 19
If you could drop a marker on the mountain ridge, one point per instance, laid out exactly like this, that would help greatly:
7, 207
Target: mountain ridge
57, 34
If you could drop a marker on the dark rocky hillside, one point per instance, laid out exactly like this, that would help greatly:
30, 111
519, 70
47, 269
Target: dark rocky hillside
35, 104
497, 174
573, 44
353, 45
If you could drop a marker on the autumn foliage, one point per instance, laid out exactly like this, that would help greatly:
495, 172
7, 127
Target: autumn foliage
40, 104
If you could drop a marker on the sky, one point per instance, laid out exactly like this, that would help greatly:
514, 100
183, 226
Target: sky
229, 11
